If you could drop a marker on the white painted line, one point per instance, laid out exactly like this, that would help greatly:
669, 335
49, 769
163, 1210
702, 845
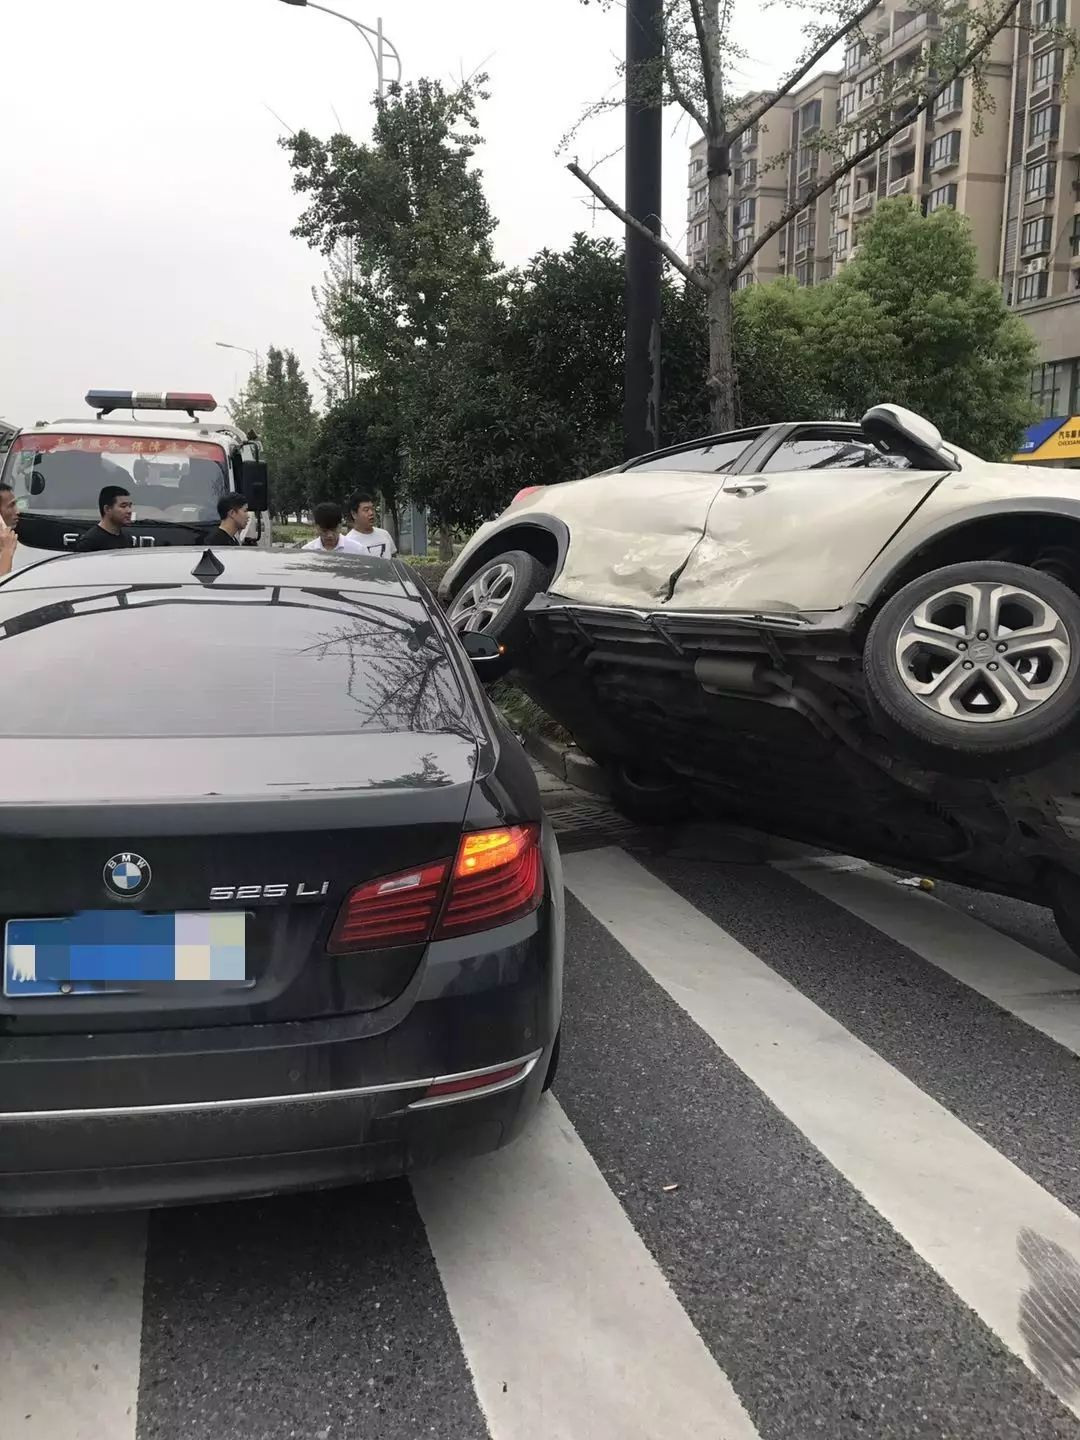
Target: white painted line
567, 1323
1036, 990
968, 1211
71, 1327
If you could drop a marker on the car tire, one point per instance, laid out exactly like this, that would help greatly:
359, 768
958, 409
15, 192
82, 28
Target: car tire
1065, 901
553, 1064
493, 600
939, 668
647, 797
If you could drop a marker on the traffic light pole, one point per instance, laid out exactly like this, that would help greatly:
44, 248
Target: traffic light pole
641, 396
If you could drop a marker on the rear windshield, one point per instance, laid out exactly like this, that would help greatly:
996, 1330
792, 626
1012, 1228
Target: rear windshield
151, 663
180, 480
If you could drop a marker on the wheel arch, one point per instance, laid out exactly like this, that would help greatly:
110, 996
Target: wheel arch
542, 536
1022, 533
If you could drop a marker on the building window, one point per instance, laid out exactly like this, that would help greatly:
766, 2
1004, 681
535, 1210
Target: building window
746, 173
1046, 69
743, 244
749, 138
700, 196
1031, 287
807, 157
699, 233
841, 245
939, 198
1055, 388
744, 214
843, 197
696, 166
804, 235
945, 150
1048, 12
847, 105
1036, 236
744, 281
804, 273
1039, 179
950, 99
1044, 123
811, 116
1074, 237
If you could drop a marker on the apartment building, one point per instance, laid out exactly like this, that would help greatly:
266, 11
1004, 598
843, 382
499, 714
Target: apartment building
1040, 251
1012, 166
759, 190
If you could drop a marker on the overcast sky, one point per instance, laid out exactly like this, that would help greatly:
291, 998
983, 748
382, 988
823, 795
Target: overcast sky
147, 206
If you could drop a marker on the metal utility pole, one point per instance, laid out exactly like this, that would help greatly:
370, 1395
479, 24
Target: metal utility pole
644, 54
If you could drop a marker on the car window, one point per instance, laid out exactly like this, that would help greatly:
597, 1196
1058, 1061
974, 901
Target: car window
832, 452
149, 663
717, 455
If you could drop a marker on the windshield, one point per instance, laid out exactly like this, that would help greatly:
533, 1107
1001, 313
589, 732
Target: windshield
178, 480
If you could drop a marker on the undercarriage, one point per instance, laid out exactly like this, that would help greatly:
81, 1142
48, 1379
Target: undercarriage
768, 723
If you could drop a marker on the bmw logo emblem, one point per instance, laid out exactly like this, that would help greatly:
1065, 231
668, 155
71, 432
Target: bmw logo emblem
127, 876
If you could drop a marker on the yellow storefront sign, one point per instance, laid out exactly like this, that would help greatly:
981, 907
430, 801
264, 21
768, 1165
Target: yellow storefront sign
1063, 444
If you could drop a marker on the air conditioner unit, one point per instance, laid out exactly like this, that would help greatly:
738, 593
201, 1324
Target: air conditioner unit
901, 186
1037, 152
1033, 267
903, 137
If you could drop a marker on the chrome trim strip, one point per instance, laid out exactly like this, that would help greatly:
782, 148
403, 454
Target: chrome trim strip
527, 1063
247, 1102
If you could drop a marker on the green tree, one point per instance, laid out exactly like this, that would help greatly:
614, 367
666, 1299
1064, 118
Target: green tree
908, 320
358, 447
529, 389
411, 205
276, 404
699, 73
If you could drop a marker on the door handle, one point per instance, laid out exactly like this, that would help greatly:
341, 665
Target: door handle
749, 487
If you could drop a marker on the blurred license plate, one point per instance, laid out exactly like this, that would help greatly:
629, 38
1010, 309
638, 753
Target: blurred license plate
111, 950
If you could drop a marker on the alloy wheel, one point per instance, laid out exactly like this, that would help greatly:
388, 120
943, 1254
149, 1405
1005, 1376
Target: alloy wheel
479, 603
983, 652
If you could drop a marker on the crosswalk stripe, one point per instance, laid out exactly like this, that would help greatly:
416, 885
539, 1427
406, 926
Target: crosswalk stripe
1006, 1247
567, 1323
1036, 990
70, 1325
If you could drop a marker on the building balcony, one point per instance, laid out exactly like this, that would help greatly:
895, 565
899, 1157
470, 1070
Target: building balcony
863, 202
902, 185
903, 138
904, 34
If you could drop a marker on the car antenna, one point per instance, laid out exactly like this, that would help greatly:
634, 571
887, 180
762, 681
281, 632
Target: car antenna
209, 568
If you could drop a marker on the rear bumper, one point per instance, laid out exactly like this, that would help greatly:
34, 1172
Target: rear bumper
121, 1121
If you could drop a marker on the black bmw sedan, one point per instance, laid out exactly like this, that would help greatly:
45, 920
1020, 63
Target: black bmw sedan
279, 905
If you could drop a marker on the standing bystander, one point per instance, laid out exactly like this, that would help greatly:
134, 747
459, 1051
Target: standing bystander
115, 508
9, 519
365, 537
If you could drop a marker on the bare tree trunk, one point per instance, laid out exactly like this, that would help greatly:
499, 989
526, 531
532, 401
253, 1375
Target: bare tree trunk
446, 543
721, 381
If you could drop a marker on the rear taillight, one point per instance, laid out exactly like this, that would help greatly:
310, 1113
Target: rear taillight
397, 910
524, 494
497, 876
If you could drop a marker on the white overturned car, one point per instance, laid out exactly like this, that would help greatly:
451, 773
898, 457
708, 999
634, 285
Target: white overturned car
855, 634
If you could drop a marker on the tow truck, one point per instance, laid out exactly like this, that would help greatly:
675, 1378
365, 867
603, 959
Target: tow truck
175, 470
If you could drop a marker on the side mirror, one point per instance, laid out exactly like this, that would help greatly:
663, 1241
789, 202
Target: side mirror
481, 649
892, 424
255, 484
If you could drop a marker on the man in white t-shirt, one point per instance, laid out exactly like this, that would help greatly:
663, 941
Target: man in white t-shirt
365, 537
327, 517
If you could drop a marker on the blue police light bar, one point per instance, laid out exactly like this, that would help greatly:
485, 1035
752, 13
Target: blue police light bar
106, 401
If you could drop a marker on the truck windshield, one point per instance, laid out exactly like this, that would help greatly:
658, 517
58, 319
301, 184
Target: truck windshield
178, 480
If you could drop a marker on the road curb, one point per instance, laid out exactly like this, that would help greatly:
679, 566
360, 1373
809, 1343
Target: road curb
567, 763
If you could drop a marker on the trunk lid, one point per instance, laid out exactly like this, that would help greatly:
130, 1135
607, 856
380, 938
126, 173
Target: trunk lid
279, 829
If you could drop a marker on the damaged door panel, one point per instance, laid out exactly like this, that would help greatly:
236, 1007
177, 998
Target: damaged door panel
796, 540
631, 533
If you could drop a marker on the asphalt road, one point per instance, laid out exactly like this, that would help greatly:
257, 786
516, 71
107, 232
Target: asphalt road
810, 1169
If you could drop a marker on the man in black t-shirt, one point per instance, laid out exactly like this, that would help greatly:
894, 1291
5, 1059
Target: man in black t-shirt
114, 505
233, 514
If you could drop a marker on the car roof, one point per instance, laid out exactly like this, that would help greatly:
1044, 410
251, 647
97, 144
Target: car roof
241, 565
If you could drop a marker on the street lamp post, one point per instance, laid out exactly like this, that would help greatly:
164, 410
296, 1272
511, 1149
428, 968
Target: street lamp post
375, 40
